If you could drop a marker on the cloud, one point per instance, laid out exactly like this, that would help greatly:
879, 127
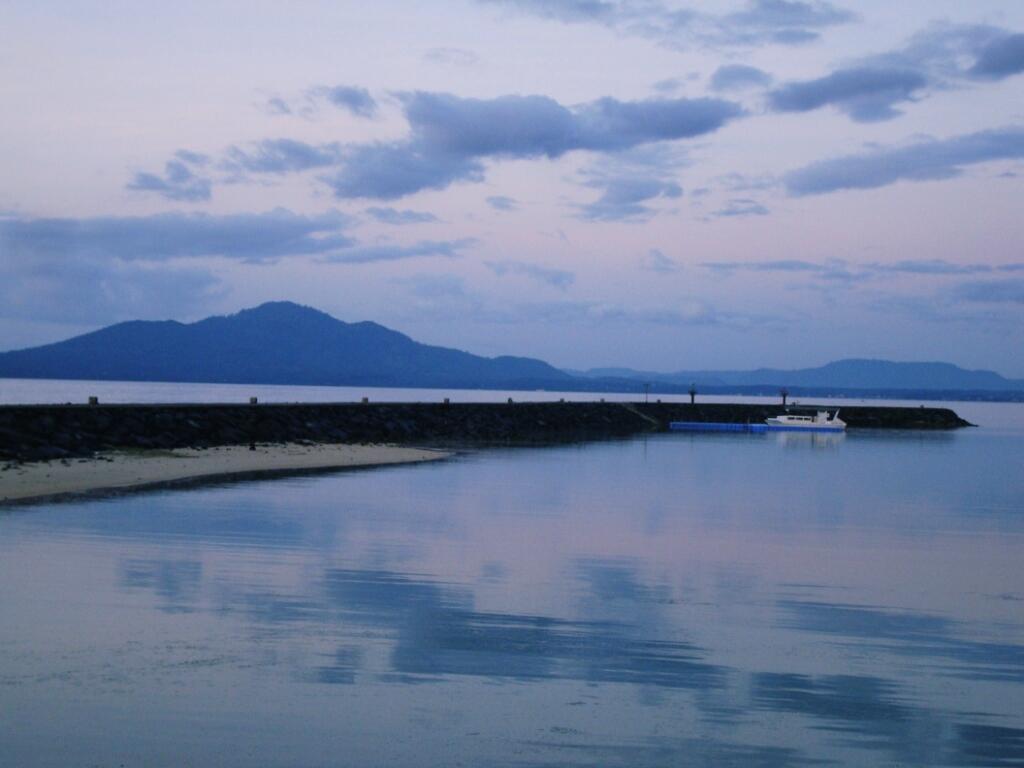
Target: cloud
1000, 58
434, 286
537, 126
788, 22
556, 278
281, 156
178, 181
865, 94
88, 271
397, 217
353, 99
656, 261
277, 106
685, 313
923, 161
192, 158
738, 182
50, 290
781, 22
931, 267
161, 237
629, 179
374, 253
835, 270
839, 269
564, 10
502, 203
391, 171
623, 197
736, 77
938, 57
780, 265
456, 57
358, 101
450, 136
991, 292
668, 86
742, 206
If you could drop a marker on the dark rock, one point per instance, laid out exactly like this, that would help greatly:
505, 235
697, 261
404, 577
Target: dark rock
82, 430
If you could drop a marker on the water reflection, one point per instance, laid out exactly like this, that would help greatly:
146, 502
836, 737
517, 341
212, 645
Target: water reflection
912, 634
175, 582
990, 745
641, 603
811, 440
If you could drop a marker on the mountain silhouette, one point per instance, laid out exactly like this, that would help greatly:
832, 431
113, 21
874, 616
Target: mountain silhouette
285, 343
274, 343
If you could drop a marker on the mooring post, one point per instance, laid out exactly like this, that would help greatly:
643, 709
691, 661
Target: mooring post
252, 425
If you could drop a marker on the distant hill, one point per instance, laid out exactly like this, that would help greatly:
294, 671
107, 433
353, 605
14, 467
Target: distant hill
850, 374
285, 343
275, 343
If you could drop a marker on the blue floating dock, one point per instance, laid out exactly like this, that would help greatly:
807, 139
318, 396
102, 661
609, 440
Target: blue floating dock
715, 426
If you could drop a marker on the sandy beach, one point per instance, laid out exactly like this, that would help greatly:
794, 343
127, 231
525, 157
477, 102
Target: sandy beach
118, 470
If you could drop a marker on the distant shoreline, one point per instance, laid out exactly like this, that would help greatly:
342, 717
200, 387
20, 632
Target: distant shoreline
612, 388
118, 471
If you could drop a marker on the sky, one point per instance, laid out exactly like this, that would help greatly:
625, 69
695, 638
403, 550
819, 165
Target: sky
649, 184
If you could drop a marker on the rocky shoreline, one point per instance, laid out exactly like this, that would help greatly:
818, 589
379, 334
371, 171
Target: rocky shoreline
46, 432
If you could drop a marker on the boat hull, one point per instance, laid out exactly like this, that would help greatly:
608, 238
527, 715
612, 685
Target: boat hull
793, 428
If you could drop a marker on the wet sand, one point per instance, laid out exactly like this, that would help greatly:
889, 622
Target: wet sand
122, 470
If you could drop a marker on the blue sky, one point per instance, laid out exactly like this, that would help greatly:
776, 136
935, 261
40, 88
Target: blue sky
649, 184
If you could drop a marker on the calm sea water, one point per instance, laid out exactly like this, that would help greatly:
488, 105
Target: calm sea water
765, 600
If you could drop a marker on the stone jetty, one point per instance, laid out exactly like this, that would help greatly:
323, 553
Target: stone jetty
44, 432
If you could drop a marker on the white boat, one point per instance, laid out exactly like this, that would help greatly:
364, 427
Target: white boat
819, 422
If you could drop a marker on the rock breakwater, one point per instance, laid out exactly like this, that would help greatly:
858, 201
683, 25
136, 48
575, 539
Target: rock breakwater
43, 432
